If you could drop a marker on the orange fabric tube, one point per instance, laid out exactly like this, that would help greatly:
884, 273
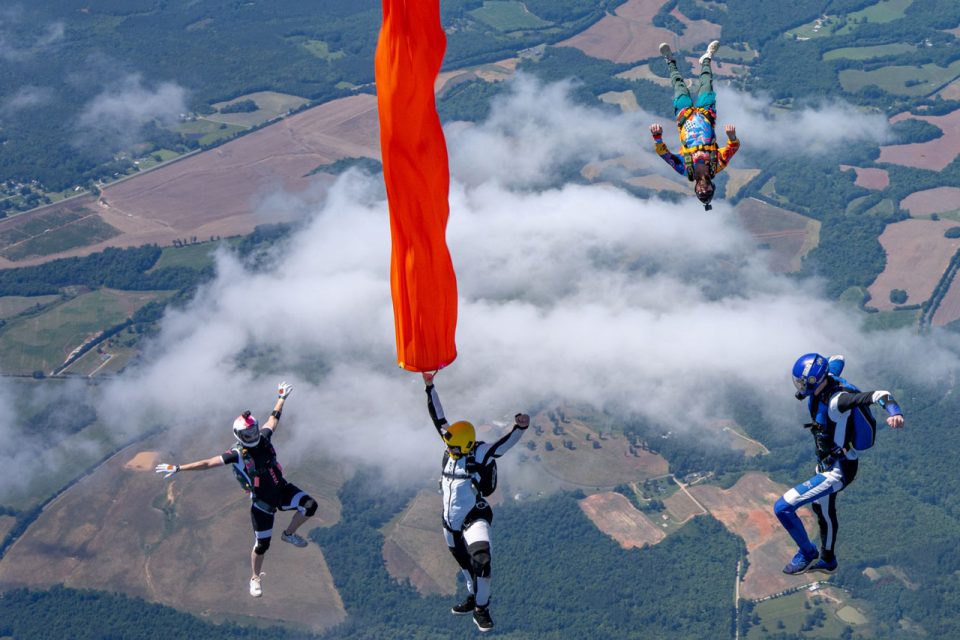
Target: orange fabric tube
415, 168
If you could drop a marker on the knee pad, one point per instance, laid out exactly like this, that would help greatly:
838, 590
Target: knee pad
480, 559
309, 506
261, 547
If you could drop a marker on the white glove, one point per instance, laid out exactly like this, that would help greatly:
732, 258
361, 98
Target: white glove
284, 390
167, 469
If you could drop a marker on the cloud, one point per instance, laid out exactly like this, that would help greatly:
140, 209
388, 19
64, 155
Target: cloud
117, 115
18, 43
580, 294
26, 98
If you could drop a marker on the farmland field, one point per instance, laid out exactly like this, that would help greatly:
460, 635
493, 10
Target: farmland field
15, 305
917, 255
626, 36
868, 53
193, 256
508, 16
270, 105
938, 200
901, 79
184, 543
44, 341
791, 610
789, 236
413, 547
934, 154
615, 516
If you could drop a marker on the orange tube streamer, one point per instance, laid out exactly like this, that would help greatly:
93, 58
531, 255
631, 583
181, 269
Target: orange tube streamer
415, 168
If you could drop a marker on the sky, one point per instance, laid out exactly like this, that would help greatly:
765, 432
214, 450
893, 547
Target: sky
581, 294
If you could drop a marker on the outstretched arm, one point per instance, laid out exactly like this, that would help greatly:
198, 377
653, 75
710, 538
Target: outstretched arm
200, 465
283, 390
846, 401
733, 145
433, 404
671, 159
501, 446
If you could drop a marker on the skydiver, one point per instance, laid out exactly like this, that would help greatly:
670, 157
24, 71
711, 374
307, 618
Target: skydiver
700, 158
465, 481
840, 415
255, 463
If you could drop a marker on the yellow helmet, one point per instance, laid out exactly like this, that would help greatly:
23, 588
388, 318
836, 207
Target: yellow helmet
461, 438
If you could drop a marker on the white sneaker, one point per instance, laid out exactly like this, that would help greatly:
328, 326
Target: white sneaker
255, 589
711, 50
665, 51
293, 539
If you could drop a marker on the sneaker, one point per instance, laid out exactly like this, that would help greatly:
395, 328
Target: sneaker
293, 539
801, 563
481, 618
711, 49
255, 589
665, 51
468, 605
824, 566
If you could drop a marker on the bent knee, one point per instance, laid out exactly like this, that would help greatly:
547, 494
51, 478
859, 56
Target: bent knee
782, 507
261, 547
309, 507
480, 558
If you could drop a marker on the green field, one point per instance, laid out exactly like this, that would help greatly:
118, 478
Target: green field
206, 131
15, 305
193, 256
508, 16
270, 105
321, 49
868, 53
853, 296
79, 233
901, 79
885, 11
44, 341
155, 158
729, 54
885, 320
792, 612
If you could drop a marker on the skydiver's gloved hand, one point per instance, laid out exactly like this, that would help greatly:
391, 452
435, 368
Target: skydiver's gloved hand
284, 390
522, 420
731, 131
895, 422
167, 469
656, 131
428, 377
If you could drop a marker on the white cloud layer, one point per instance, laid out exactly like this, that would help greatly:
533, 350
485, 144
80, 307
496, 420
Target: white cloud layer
26, 98
583, 294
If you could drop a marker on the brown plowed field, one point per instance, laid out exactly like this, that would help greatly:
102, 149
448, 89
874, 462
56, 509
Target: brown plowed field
221, 192
6, 523
682, 507
939, 200
606, 467
746, 509
696, 31
627, 36
739, 178
933, 155
917, 255
183, 542
615, 516
414, 550
720, 69
789, 235
949, 309
870, 177
951, 91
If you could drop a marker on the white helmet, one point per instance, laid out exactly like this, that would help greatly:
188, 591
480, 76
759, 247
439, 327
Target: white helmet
246, 430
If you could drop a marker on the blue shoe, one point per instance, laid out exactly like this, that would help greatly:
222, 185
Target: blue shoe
801, 563
823, 566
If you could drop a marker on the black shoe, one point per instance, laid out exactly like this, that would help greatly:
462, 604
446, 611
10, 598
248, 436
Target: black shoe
465, 607
481, 618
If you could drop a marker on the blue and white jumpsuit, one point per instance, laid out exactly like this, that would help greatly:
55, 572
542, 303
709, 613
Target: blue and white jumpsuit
837, 413
467, 516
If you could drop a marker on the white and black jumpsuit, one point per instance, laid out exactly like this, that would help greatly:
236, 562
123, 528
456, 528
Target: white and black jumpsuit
835, 414
466, 515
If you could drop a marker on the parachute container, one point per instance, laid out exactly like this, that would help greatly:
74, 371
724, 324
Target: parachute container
415, 168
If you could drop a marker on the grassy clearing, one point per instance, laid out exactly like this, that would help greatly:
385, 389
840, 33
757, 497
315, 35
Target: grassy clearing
884, 11
729, 54
194, 256
886, 320
883, 208
868, 53
853, 296
794, 610
321, 49
15, 305
508, 16
901, 79
44, 341
271, 104
79, 233
157, 157
207, 131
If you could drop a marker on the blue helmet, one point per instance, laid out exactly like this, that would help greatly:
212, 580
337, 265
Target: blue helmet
809, 372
